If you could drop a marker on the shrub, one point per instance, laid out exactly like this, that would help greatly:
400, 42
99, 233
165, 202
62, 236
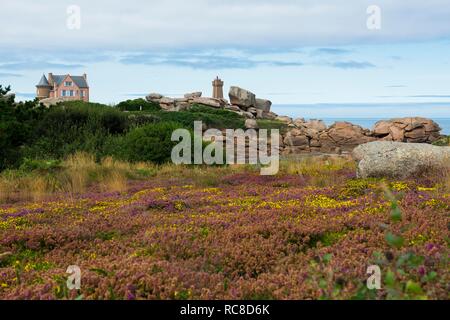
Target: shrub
29, 165
272, 124
443, 141
76, 126
138, 105
17, 123
213, 118
148, 143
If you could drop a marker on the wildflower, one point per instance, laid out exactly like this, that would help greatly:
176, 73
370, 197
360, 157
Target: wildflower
422, 271
322, 201
399, 186
419, 188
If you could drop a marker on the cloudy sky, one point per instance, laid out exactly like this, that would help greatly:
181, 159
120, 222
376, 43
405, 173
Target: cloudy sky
290, 51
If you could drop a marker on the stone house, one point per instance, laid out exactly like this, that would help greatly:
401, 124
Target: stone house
66, 87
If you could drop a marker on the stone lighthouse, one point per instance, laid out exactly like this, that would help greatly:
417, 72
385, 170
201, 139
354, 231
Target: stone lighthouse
217, 88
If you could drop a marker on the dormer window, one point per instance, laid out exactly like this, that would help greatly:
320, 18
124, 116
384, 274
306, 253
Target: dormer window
67, 83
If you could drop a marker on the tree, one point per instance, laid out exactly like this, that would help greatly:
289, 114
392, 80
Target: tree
17, 121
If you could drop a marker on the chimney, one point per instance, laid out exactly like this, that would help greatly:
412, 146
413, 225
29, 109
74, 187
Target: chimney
50, 78
85, 76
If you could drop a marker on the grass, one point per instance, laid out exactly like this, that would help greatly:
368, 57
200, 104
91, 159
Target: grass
443, 141
72, 176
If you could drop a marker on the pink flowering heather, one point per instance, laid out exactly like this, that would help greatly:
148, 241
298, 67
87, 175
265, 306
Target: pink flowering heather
247, 237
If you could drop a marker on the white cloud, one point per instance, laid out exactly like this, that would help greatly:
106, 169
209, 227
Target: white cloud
141, 24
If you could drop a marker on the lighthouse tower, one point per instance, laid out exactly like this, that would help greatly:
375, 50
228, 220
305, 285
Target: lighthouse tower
217, 88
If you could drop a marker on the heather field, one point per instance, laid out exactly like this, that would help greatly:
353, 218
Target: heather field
166, 232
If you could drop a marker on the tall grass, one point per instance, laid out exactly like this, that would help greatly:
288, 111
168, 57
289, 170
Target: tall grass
80, 172
321, 171
74, 176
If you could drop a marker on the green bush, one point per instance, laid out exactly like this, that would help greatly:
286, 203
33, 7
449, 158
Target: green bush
76, 126
138, 105
272, 124
151, 142
443, 141
29, 165
213, 118
31, 131
17, 123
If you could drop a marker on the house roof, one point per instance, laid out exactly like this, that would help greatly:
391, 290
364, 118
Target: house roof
43, 82
80, 81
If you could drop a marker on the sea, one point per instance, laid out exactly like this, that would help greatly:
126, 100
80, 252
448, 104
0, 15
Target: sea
367, 114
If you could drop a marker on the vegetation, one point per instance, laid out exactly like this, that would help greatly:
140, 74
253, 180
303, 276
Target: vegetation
17, 123
151, 142
138, 105
221, 232
443, 141
32, 132
90, 184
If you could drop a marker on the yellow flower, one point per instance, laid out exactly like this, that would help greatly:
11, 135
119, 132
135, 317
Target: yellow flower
399, 186
425, 189
322, 201
179, 205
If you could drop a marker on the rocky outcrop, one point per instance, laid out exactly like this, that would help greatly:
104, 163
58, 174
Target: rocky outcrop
242, 98
314, 136
407, 130
301, 136
209, 102
54, 101
344, 135
251, 124
242, 102
285, 119
400, 160
154, 96
193, 95
263, 104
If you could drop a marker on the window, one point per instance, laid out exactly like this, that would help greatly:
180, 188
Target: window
63, 93
81, 93
68, 83
71, 93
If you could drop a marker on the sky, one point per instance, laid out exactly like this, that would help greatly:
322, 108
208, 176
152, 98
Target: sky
288, 51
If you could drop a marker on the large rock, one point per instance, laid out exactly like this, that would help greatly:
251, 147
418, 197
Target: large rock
154, 96
412, 129
268, 115
54, 101
347, 135
193, 95
299, 122
317, 125
232, 108
296, 141
263, 104
284, 119
251, 124
400, 160
210, 102
166, 100
242, 97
